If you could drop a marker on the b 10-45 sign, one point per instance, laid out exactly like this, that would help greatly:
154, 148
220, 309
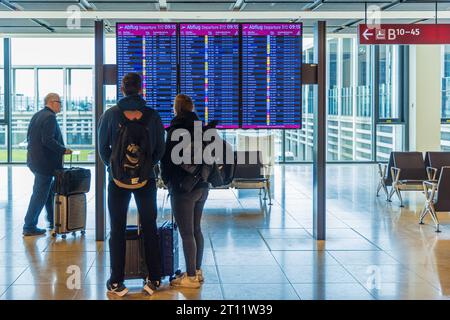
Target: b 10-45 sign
405, 34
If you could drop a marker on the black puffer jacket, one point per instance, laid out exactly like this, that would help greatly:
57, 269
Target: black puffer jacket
171, 173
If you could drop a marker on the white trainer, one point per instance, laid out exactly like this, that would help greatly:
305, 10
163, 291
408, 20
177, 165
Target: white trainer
199, 274
184, 281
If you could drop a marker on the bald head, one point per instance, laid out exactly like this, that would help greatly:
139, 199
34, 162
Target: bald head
53, 101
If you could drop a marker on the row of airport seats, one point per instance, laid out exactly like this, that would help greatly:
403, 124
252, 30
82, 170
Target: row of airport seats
411, 171
250, 172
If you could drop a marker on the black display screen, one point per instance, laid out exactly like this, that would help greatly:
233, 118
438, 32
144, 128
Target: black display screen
209, 71
150, 50
271, 75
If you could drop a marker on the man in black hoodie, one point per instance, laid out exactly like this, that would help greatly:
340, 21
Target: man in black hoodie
132, 106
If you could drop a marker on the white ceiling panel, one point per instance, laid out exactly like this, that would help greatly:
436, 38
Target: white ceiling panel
126, 6
17, 23
273, 6
39, 5
207, 6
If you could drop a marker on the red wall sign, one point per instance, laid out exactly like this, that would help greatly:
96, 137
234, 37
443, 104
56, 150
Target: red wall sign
405, 34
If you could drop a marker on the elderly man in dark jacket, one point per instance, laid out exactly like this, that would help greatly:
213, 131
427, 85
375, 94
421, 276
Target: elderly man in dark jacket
45, 152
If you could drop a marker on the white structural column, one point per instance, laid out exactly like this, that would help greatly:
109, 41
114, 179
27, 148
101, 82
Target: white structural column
425, 98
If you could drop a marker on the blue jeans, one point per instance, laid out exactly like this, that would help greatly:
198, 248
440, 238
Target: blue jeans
42, 196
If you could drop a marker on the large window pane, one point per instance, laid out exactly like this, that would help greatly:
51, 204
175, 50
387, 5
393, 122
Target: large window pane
3, 144
389, 138
445, 129
2, 84
80, 116
24, 107
52, 51
364, 128
298, 143
50, 80
389, 108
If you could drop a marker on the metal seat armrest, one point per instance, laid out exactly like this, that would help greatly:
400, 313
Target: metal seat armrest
395, 173
429, 189
431, 173
382, 167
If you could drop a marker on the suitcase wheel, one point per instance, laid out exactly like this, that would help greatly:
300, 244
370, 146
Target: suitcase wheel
83, 232
74, 233
54, 234
63, 236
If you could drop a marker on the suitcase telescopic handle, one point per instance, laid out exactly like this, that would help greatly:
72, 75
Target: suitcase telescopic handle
70, 163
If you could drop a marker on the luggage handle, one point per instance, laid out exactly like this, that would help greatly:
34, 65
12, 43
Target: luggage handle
70, 163
163, 206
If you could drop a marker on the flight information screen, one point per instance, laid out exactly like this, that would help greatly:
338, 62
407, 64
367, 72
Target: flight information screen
271, 75
150, 50
209, 71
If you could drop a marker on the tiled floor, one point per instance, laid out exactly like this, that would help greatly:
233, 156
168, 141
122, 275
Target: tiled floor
374, 249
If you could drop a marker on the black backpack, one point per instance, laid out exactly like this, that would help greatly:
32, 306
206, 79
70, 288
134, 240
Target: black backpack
131, 158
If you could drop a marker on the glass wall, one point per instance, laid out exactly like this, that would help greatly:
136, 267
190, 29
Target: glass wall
54, 66
350, 131
3, 140
445, 129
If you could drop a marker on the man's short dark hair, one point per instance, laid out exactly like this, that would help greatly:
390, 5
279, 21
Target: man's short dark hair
131, 83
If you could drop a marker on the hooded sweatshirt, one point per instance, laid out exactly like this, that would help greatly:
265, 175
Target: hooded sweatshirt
108, 129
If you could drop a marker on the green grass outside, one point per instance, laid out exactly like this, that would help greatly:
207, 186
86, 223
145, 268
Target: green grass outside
20, 155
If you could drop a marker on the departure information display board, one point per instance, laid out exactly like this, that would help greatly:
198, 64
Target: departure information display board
209, 71
150, 50
271, 75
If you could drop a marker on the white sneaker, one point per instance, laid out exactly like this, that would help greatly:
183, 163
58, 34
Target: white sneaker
185, 281
199, 274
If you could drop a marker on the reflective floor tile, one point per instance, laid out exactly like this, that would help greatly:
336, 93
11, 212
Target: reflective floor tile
332, 291
19, 259
384, 273
294, 244
65, 258
283, 233
259, 292
76, 243
251, 274
404, 291
165, 292
19, 243
227, 244
363, 257
296, 258
54, 275
3, 289
318, 274
351, 244
41, 292
8, 275
338, 233
247, 258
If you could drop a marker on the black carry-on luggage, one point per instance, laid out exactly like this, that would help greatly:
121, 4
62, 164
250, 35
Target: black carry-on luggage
70, 187
135, 266
72, 180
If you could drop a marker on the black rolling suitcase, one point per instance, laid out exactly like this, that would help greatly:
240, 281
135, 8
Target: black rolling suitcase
168, 237
135, 266
70, 208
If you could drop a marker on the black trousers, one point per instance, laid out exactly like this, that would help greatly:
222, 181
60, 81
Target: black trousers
118, 202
